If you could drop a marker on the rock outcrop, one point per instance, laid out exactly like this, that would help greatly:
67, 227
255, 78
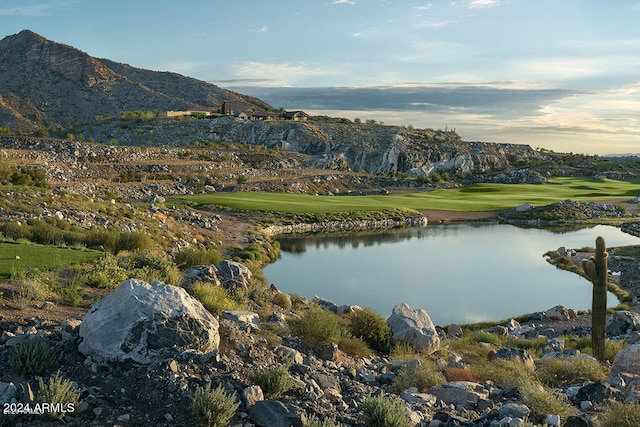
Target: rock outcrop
143, 324
414, 327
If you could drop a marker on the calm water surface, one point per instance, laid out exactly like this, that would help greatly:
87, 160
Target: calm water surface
459, 273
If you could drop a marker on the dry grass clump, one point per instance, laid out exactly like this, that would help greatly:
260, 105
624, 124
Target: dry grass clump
544, 401
460, 374
559, 371
354, 347
618, 414
421, 377
214, 298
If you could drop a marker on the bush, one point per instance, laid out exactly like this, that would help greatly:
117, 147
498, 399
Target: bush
318, 327
544, 401
372, 328
191, 256
560, 371
274, 381
133, 242
32, 356
282, 300
214, 298
148, 266
60, 393
618, 414
355, 347
107, 273
312, 421
213, 408
421, 377
29, 286
383, 412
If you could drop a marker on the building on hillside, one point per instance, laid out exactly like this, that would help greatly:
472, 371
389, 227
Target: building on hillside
296, 116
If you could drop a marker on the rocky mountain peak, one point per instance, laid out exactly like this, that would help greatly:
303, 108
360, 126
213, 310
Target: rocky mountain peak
45, 83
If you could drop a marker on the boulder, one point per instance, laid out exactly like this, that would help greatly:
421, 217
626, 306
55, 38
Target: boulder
144, 324
243, 318
200, 273
414, 327
623, 322
627, 360
233, 274
462, 393
516, 354
272, 413
559, 312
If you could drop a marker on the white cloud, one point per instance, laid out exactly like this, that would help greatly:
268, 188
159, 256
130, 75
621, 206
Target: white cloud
423, 7
356, 35
180, 67
281, 74
482, 4
263, 29
39, 9
343, 2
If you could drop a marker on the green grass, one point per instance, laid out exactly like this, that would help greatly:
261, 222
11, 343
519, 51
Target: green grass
40, 257
474, 198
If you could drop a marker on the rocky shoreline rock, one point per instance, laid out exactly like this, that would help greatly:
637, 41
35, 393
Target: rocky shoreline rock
336, 226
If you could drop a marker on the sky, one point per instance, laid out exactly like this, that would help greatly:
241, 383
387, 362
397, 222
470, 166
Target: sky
557, 74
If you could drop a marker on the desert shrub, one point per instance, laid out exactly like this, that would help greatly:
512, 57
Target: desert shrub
133, 242
99, 237
282, 300
355, 347
188, 257
46, 234
32, 356
460, 374
372, 329
59, 392
611, 347
505, 373
403, 351
107, 273
274, 381
214, 298
421, 377
15, 231
29, 286
544, 401
148, 266
559, 371
317, 326
618, 414
213, 408
312, 421
383, 412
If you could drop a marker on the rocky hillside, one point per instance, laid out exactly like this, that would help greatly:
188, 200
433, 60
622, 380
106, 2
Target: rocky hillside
44, 83
331, 144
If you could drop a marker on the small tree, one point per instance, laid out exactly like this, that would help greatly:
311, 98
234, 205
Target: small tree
597, 271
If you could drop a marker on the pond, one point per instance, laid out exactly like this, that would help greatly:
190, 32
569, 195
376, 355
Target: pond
459, 273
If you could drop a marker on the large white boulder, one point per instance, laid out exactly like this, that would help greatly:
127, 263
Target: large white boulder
414, 327
627, 360
144, 324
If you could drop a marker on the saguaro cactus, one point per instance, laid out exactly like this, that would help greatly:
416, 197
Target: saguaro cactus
597, 271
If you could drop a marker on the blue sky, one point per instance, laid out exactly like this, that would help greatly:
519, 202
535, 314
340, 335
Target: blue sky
559, 74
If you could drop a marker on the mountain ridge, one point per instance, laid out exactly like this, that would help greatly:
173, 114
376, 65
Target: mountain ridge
48, 84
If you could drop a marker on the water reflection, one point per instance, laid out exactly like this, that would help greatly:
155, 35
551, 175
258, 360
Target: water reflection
459, 273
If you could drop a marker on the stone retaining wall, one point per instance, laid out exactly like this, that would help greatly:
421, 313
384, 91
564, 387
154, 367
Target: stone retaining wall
333, 226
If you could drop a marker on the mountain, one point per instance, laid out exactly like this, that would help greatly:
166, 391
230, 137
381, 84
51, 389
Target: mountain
44, 83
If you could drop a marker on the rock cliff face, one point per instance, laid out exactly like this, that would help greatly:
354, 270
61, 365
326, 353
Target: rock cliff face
376, 148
